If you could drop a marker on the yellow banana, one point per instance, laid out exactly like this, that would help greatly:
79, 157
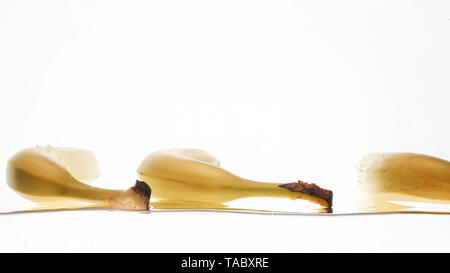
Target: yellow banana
192, 178
405, 177
52, 178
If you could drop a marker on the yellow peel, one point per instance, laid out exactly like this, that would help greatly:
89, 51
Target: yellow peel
406, 177
82, 164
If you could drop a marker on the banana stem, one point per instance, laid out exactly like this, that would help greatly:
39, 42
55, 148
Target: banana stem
299, 190
169, 194
135, 198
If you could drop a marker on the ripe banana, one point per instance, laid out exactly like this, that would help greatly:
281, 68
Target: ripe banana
52, 178
405, 177
192, 178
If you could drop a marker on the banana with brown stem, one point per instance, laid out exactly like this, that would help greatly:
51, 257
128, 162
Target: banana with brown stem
193, 179
52, 177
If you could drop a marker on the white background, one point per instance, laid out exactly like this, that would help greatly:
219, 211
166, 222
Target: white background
277, 90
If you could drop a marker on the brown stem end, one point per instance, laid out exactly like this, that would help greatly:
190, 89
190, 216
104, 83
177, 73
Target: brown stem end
310, 189
144, 190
